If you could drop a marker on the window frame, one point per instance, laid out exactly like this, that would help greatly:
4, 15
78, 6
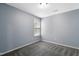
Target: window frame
37, 28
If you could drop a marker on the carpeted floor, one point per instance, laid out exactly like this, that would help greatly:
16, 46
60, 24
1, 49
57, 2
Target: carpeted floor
44, 49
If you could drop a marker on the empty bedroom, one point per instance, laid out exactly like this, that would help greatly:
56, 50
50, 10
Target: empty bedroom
39, 29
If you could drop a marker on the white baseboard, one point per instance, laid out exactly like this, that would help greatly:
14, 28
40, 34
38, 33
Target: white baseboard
18, 47
61, 44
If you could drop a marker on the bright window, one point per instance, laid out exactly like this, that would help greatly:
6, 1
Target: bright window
37, 27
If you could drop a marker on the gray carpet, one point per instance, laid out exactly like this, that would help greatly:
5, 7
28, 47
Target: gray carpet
44, 49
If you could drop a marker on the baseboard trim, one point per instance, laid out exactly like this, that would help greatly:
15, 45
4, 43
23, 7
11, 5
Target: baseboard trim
18, 47
61, 44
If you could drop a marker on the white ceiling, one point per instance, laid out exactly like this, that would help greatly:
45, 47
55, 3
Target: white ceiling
51, 9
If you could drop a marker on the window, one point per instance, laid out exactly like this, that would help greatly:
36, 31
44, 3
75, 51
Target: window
37, 27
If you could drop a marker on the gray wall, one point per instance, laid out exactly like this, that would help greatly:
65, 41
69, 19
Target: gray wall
62, 28
16, 28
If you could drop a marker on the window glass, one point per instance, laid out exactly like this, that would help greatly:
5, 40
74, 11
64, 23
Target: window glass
37, 27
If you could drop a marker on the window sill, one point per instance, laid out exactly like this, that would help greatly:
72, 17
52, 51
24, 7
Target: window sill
36, 35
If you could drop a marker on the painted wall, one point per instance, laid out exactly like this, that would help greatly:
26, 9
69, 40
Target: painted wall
16, 28
62, 28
